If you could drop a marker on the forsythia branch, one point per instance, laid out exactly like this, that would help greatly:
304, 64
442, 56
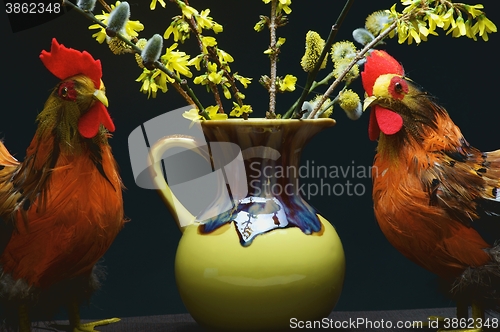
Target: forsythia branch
274, 60
179, 83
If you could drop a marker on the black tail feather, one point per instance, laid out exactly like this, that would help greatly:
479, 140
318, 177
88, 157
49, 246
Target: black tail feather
479, 285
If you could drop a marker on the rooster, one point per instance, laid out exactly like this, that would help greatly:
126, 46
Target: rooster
436, 197
61, 208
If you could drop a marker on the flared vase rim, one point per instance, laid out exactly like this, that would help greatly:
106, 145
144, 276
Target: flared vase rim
263, 122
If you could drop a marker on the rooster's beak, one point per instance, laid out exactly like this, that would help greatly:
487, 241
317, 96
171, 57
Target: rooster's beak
369, 101
101, 95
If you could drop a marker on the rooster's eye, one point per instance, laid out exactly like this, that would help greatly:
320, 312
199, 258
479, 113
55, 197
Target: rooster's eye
398, 87
67, 91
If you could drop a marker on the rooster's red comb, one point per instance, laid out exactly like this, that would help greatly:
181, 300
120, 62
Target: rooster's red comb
379, 63
65, 62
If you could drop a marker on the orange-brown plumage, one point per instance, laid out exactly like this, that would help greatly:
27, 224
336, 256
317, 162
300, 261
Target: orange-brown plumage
422, 231
71, 231
435, 196
62, 205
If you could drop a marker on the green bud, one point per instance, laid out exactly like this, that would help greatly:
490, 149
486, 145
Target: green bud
259, 26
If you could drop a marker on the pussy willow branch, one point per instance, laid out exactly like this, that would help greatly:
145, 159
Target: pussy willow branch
314, 85
179, 84
274, 59
312, 75
358, 57
334, 101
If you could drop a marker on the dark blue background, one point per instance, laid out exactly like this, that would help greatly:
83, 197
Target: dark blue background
461, 72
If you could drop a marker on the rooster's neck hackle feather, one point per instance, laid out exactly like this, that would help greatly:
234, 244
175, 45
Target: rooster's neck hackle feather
427, 126
60, 118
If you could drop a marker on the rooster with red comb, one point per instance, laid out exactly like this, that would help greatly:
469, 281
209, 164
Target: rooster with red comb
61, 208
436, 197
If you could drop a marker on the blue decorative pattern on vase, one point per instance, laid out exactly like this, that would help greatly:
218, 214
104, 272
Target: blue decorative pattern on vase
271, 151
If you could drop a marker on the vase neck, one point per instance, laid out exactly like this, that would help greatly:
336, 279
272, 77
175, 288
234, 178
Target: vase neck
267, 194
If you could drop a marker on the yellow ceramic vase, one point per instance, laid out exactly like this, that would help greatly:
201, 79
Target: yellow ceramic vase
270, 259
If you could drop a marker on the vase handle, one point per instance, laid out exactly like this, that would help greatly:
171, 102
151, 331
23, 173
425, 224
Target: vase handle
181, 215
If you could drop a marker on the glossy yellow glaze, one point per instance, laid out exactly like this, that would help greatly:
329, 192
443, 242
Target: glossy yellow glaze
283, 274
